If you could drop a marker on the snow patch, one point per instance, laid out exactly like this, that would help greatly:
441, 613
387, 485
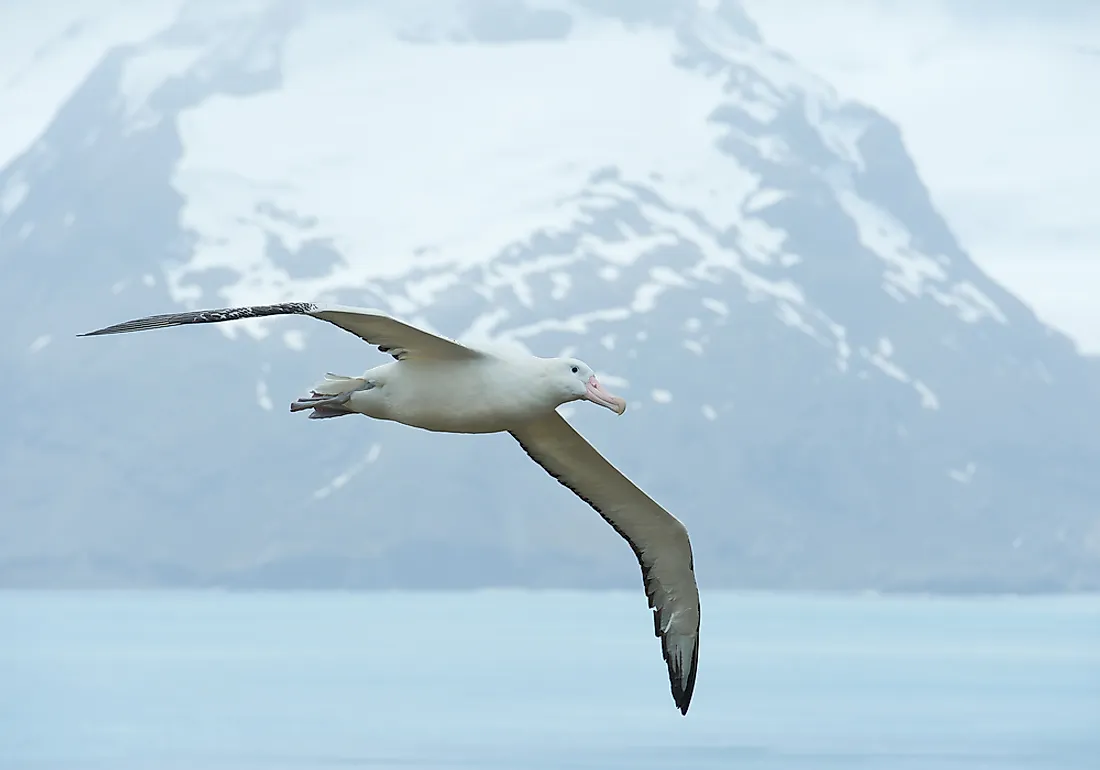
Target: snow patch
422, 293
928, 399
764, 198
561, 283
262, 396
843, 349
886, 366
964, 475
578, 324
294, 339
885, 237
786, 313
612, 380
625, 252
881, 358
910, 273
40, 342
979, 304
507, 274
15, 192
480, 331
784, 82
645, 297
354, 470
715, 306
719, 258
144, 73
564, 111
760, 241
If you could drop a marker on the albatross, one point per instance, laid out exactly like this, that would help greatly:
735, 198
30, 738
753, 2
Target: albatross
440, 385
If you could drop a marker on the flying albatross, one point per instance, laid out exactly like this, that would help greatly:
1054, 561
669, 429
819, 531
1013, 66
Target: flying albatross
441, 385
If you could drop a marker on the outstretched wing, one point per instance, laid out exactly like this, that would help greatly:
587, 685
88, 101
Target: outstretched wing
375, 327
658, 538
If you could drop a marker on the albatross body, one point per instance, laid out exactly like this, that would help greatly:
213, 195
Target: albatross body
439, 385
496, 393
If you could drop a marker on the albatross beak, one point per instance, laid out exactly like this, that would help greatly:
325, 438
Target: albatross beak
597, 395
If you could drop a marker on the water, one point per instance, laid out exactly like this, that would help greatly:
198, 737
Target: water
543, 680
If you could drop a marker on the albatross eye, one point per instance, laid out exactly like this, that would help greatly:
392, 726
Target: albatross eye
574, 370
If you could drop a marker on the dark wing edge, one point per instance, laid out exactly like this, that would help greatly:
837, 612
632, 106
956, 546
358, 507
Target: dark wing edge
674, 647
391, 336
166, 320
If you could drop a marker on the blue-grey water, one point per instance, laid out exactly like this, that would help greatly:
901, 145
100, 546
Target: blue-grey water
543, 680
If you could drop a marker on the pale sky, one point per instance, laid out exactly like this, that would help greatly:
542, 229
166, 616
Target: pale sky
999, 104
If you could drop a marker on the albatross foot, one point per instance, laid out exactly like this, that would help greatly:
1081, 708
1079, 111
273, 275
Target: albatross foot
326, 405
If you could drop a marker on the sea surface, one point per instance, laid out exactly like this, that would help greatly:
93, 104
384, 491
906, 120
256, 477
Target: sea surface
516, 680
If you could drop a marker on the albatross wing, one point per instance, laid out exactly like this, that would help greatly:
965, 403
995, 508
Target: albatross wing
375, 327
658, 538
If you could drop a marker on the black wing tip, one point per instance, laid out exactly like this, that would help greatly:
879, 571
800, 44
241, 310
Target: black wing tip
140, 324
684, 687
101, 332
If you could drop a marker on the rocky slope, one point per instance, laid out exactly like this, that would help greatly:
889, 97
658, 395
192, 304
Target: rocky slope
823, 386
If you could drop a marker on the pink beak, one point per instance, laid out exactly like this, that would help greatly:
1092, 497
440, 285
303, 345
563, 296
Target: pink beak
597, 395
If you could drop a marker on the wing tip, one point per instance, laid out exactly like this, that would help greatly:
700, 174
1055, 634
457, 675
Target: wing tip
98, 332
684, 688
681, 679
139, 325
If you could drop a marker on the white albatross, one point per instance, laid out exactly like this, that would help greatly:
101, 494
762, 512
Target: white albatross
440, 385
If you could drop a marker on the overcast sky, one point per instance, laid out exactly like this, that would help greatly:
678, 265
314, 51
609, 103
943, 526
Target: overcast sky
999, 103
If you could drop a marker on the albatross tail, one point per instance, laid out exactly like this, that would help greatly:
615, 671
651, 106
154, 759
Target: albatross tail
329, 398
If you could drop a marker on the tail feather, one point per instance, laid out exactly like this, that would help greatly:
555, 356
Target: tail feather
335, 384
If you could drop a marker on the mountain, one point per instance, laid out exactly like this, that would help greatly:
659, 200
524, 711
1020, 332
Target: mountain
823, 386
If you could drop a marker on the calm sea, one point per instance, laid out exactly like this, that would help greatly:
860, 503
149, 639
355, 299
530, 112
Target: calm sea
543, 680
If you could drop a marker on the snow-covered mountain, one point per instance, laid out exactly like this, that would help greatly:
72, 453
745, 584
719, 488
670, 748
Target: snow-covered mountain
822, 384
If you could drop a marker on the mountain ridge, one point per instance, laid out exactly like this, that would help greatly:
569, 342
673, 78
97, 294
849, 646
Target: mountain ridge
842, 398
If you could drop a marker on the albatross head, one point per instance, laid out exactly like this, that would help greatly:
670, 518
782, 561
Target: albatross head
576, 381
